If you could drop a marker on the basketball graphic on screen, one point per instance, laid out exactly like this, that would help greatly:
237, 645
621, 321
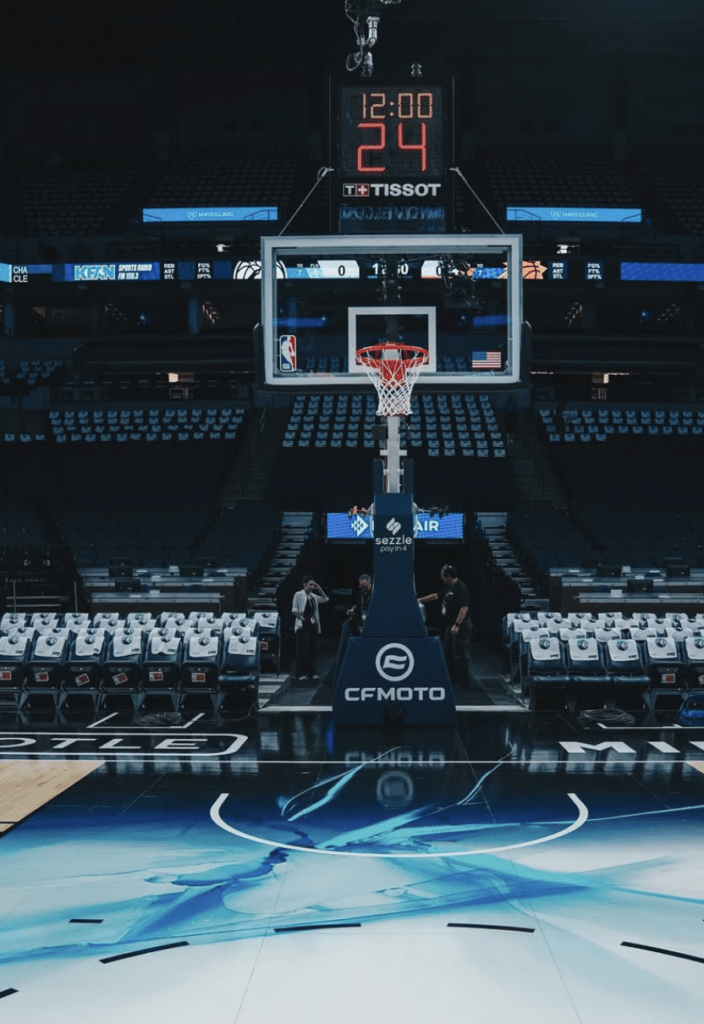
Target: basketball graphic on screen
251, 270
247, 270
533, 270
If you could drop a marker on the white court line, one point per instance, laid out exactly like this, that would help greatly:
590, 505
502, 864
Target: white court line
520, 762
190, 723
646, 728
101, 720
141, 728
279, 708
491, 707
577, 823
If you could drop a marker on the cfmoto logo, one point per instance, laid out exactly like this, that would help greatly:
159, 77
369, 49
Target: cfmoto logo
394, 662
393, 526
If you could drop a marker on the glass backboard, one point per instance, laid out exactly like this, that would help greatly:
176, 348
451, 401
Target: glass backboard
325, 297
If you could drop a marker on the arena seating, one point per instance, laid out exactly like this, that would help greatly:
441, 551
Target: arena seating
589, 660
639, 501
181, 532
244, 535
224, 176
543, 536
440, 426
326, 477
144, 535
74, 659
75, 193
677, 174
156, 501
164, 424
545, 176
19, 524
29, 375
584, 423
79, 193
154, 498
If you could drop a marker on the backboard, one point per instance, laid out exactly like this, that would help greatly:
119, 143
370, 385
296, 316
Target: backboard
325, 297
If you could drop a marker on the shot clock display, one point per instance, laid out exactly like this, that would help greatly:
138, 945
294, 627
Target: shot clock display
391, 131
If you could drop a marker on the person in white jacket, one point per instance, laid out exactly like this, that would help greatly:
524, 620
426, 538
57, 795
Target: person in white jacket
306, 611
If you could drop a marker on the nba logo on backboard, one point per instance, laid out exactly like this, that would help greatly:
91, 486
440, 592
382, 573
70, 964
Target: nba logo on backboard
287, 353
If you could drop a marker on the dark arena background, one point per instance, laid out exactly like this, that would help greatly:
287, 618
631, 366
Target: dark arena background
475, 789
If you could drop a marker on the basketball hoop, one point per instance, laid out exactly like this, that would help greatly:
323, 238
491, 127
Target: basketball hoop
393, 369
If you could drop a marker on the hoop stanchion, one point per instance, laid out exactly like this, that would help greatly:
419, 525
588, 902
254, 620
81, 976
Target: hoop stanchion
393, 369
393, 672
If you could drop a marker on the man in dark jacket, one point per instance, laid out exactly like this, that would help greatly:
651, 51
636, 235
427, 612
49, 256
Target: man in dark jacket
456, 624
355, 616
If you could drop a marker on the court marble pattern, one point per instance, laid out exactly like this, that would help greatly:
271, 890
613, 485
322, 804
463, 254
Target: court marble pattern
521, 866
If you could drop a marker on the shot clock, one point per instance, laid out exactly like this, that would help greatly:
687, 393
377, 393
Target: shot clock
389, 132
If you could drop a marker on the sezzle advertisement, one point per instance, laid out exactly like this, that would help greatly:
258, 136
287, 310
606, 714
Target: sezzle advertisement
343, 526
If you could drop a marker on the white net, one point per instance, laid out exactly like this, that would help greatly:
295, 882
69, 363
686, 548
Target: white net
393, 370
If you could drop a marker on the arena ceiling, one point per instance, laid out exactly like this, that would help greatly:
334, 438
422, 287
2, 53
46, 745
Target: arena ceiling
316, 33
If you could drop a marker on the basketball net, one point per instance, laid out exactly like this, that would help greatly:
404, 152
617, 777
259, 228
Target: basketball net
393, 370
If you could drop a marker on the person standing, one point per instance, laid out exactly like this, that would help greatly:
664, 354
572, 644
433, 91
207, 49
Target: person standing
355, 616
456, 624
306, 611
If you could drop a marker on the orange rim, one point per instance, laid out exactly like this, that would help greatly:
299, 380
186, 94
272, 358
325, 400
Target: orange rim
371, 355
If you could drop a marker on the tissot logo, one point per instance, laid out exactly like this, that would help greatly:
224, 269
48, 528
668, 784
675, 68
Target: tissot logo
392, 188
394, 662
393, 526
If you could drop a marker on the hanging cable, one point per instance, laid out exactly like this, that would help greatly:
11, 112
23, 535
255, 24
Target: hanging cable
354, 60
364, 14
460, 175
320, 176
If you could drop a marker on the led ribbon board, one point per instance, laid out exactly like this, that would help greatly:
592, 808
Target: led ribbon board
208, 214
576, 214
662, 272
426, 526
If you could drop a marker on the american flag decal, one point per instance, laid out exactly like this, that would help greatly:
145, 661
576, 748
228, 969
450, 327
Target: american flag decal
486, 360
